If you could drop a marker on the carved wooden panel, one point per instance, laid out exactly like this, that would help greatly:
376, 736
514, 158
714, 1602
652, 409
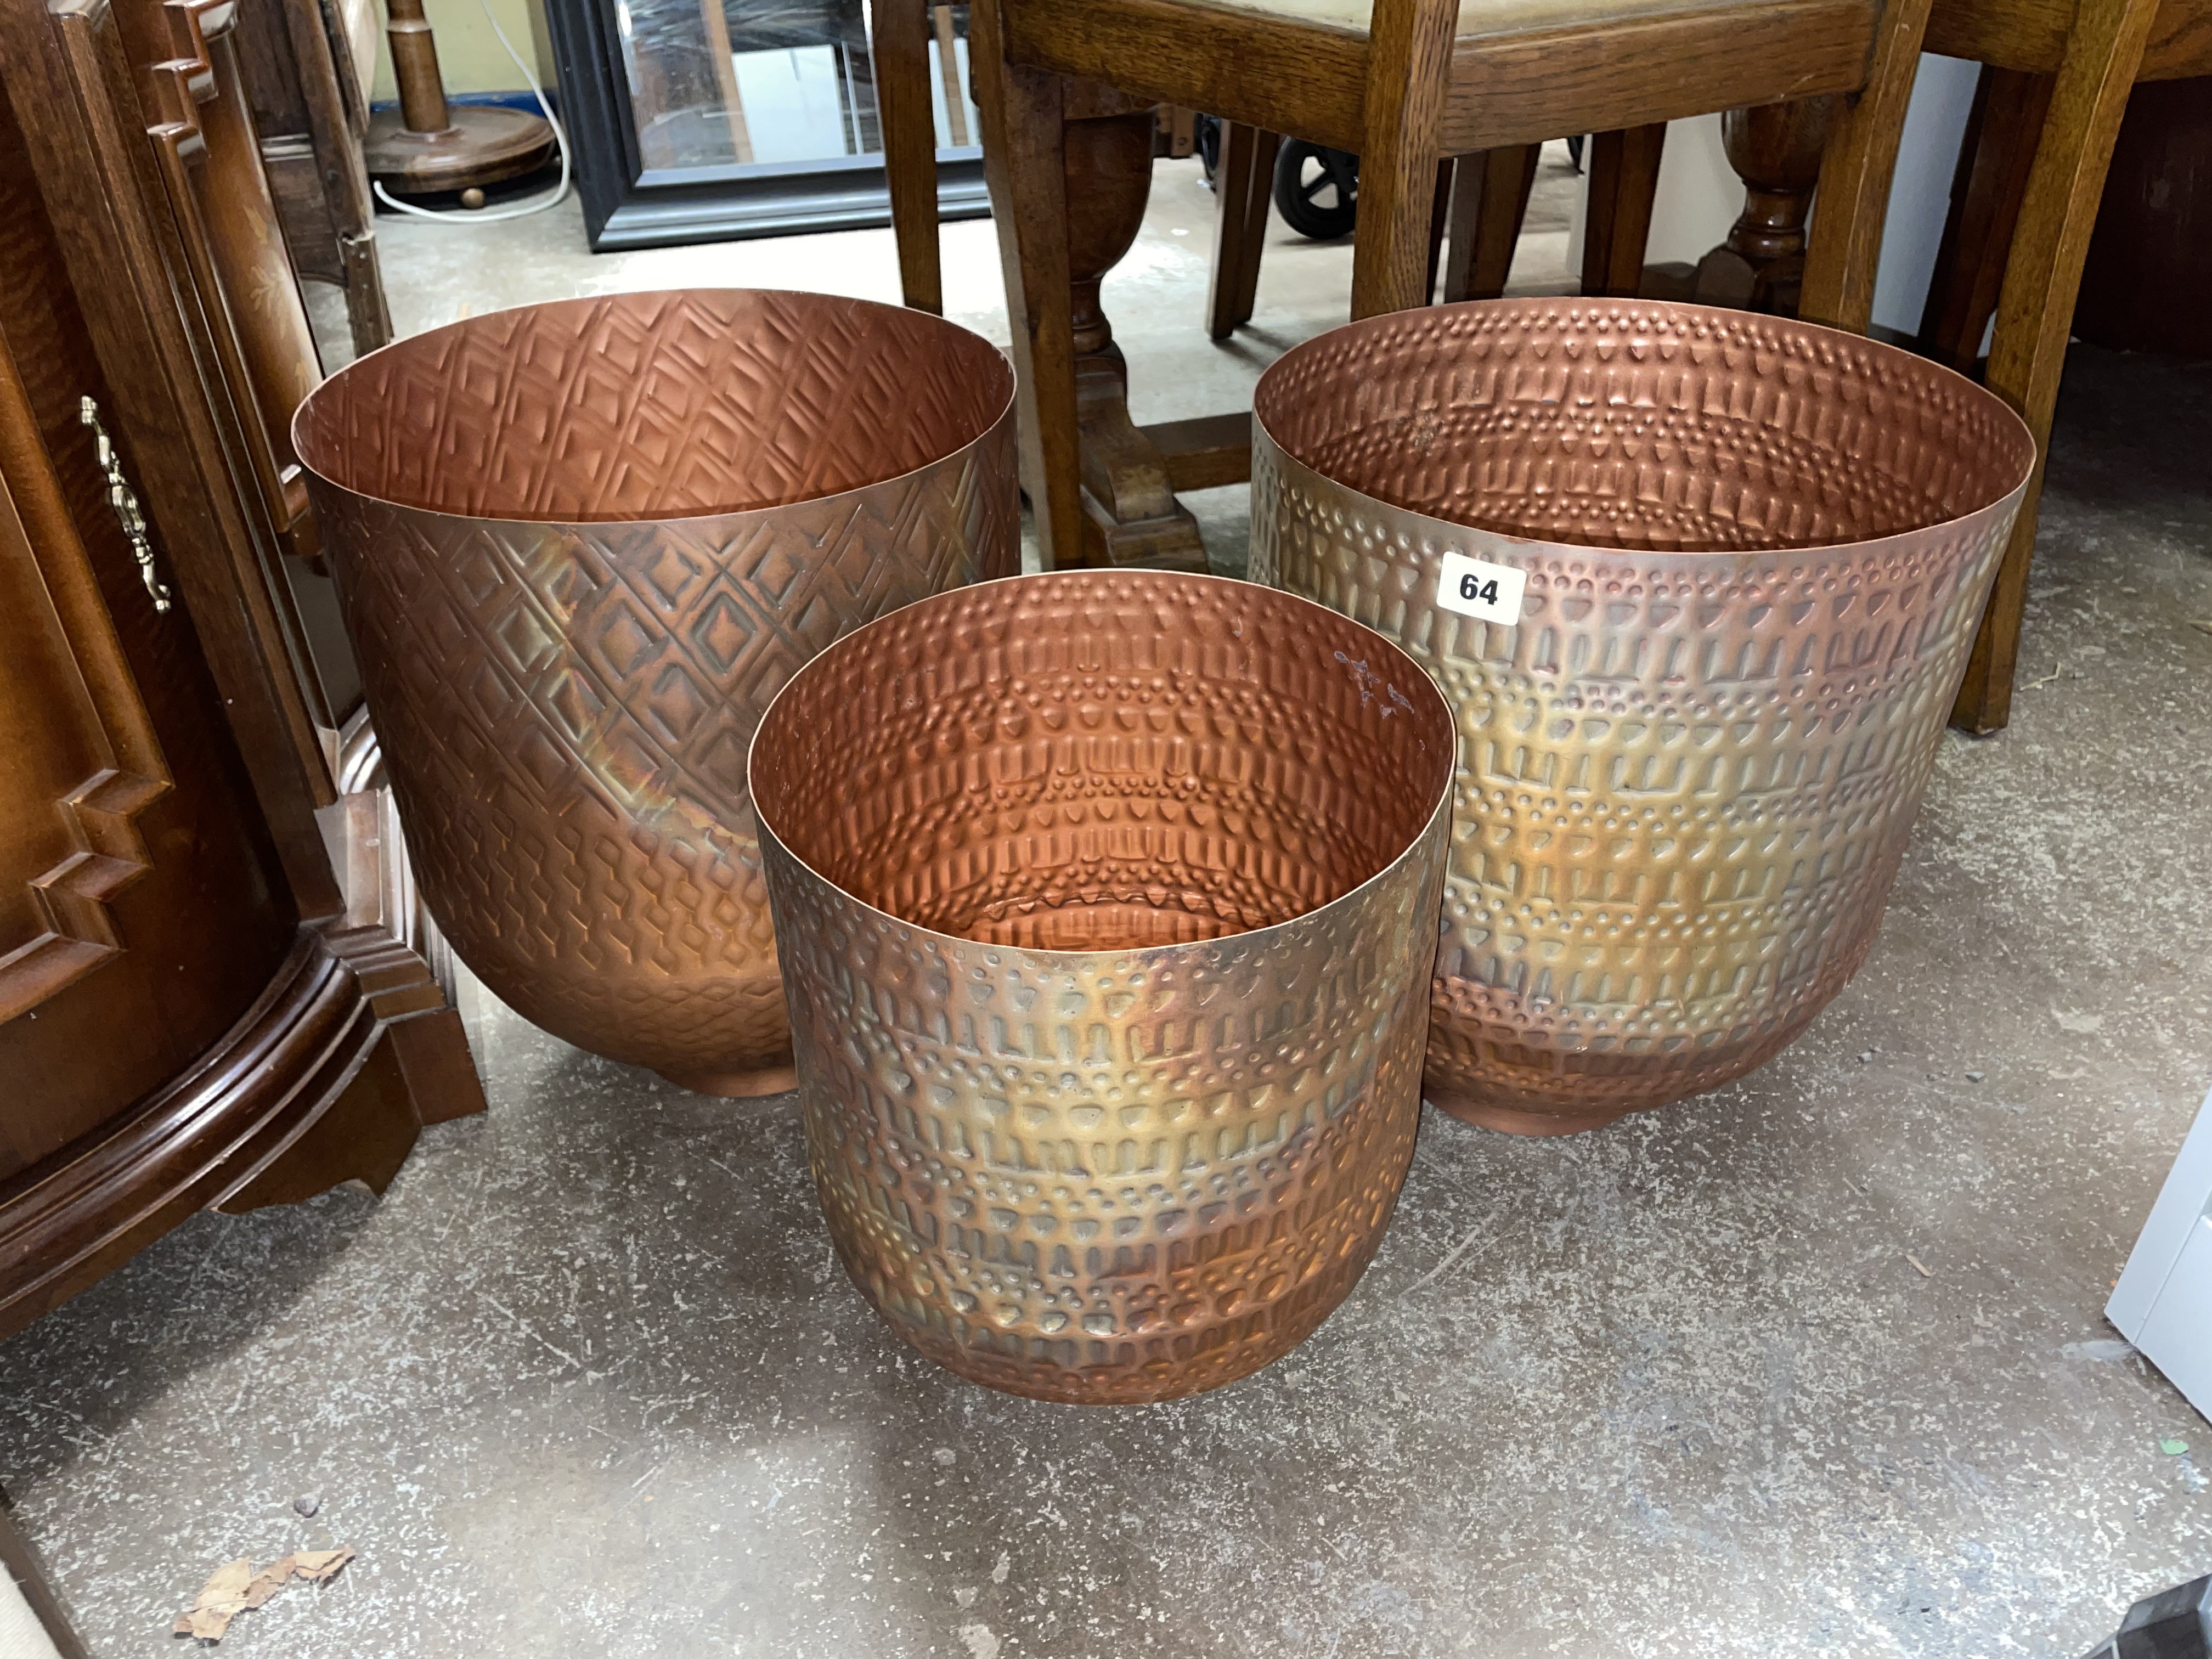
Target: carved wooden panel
160, 325
211, 161
81, 765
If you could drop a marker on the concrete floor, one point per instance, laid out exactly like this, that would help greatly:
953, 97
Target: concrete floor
589, 1381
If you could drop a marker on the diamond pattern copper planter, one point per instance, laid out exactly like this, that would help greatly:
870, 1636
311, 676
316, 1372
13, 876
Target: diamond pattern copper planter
1107, 901
1749, 557
579, 547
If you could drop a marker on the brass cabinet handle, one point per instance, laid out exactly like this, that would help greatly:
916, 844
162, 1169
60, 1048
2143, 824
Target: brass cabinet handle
125, 503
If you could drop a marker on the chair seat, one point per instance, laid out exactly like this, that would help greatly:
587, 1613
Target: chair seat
1479, 19
1525, 70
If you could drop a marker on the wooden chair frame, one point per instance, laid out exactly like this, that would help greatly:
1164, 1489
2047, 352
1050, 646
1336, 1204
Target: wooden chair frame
2055, 86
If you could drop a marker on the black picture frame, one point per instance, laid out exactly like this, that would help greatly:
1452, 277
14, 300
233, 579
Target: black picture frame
627, 205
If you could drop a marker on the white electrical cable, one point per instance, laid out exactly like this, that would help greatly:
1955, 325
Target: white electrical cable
477, 215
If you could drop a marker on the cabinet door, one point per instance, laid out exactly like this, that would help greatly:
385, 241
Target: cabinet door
141, 905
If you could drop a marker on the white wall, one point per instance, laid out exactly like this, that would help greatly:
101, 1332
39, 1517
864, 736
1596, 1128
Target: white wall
1700, 194
1920, 195
470, 57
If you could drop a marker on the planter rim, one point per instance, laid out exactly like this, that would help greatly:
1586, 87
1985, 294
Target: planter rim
928, 320
1692, 559
1415, 676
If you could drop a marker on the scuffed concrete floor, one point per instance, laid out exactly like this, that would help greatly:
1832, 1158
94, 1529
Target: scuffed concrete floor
588, 1381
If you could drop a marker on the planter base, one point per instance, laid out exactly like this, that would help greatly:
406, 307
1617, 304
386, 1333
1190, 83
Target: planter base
737, 1085
1508, 1120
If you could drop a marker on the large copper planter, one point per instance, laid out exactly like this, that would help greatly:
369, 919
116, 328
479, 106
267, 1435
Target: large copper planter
1107, 903
579, 547
1754, 552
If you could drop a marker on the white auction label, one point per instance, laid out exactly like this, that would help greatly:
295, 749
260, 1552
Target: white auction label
1475, 588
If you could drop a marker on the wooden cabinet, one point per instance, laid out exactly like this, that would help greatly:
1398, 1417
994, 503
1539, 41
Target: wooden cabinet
210, 989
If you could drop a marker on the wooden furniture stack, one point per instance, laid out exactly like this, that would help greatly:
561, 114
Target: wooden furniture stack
214, 989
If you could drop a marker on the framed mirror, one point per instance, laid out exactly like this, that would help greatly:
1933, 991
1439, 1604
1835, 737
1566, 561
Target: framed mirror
702, 121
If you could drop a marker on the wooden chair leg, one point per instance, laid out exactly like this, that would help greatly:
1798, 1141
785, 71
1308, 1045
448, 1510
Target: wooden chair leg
901, 50
1025, 167
1986, 193
1460, 231
2035, 308
1439, 223
1243, 183
1409, 45
1624, 180
1856, 171
948, 68
1489, 200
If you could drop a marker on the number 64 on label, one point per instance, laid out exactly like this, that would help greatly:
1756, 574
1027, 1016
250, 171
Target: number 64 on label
1475, 587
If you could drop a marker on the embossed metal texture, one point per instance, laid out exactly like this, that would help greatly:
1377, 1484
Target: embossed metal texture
1755, 553
580, 546
1107, 901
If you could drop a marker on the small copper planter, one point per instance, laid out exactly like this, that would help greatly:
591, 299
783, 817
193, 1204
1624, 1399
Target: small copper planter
579, 547
1754, 554
1108, 903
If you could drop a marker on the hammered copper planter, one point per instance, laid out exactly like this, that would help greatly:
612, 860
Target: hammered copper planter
1107, 903
579, 547
1754, 554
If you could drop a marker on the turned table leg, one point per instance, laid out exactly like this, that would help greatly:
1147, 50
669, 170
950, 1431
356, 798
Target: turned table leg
1070, 165
1776, 149
1130, 514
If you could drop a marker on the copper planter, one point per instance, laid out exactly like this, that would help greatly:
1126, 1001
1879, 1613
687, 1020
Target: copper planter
579, 547
1754, 554
1107, 903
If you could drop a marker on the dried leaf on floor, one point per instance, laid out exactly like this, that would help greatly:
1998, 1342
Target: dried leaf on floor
235, 1587
219, 1599
315, 1565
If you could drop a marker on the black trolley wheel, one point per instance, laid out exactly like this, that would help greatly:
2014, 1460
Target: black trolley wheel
1316, 189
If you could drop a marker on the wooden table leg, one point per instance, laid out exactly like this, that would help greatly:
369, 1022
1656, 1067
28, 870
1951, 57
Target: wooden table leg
1024, 165
1069, 164
1776, 149
1130, 514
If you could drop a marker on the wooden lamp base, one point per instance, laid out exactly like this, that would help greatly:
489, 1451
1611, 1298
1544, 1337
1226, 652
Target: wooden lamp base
482, 144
